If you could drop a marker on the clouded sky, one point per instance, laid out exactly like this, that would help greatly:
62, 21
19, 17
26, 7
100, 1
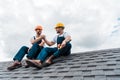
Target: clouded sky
93, 24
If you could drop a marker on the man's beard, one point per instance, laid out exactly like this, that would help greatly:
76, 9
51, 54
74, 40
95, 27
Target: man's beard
38, 33
58, 31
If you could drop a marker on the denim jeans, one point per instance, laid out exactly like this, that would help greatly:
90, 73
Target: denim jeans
45, 52
31, 54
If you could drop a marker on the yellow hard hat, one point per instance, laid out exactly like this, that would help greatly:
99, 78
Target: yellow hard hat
59, 25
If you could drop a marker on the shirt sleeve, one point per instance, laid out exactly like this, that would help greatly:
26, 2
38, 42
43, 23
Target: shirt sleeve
55, 39
66, 34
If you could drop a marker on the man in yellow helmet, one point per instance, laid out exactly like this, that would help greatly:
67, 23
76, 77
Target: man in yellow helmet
63, 48
37, 45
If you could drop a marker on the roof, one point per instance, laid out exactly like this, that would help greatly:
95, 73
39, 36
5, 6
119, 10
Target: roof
94, 65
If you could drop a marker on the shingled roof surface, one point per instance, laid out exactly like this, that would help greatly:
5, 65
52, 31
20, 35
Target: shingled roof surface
94, 65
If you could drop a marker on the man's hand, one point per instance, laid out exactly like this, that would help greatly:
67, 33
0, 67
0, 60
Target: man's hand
42, 36
63, 44
59, 46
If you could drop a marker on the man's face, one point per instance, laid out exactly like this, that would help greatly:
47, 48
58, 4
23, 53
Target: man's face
38, 31
59, 30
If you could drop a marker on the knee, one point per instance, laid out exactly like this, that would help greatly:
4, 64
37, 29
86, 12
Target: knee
69, 45
44, 50
24, 48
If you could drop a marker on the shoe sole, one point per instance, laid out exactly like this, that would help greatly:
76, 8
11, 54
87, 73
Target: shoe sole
46, 64
33, 65
10, 69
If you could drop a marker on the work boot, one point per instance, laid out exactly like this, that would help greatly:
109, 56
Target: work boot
14, 66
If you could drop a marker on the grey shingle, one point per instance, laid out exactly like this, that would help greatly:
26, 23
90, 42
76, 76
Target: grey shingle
94, 65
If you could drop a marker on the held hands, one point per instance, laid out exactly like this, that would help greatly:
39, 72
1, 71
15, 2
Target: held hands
42, 36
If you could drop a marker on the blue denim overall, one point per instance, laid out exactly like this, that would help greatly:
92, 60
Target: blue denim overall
31, 54
65, 51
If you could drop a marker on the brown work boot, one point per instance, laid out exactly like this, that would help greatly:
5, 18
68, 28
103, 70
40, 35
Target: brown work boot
48, 63
34, 63
14, 66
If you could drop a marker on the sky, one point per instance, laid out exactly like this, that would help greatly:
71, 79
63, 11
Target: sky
93, 24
